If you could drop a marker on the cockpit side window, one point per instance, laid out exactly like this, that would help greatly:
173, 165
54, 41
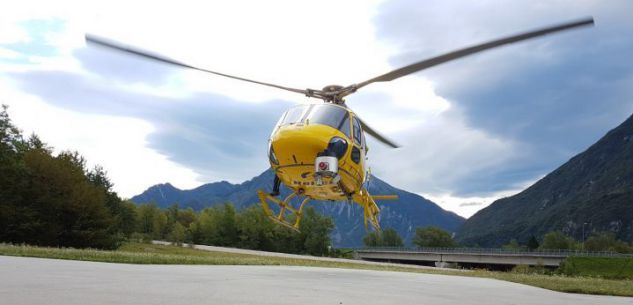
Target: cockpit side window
344, 127
357, 131
364, 142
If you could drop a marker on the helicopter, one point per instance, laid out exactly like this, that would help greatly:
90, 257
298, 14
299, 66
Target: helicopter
319, 150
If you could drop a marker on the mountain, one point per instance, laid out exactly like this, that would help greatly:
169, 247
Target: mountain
593, 189
404, 215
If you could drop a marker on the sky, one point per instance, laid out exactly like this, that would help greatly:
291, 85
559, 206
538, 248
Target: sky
472, 131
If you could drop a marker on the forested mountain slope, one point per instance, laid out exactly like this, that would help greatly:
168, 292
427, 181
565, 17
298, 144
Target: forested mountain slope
594, 188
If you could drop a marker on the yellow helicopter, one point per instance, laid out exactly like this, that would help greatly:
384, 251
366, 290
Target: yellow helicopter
319, 150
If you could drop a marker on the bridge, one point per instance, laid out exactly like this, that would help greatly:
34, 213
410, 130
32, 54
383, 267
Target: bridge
473, 256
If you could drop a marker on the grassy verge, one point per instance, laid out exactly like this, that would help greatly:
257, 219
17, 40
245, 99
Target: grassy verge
604, 267
563, 283
135, 253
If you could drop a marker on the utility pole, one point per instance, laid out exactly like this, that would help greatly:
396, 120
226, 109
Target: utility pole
583, 236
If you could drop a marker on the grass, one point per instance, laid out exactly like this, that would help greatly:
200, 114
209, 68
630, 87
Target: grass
563, 283
604, 267
137, 253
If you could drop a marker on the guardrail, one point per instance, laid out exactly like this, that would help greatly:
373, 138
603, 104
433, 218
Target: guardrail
496, 251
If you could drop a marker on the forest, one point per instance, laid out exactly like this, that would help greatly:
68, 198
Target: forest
49, 199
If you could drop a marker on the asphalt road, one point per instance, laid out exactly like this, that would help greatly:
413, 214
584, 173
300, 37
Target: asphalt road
47, 281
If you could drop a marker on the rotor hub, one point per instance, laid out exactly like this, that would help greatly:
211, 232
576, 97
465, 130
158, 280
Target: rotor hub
332, 94
332, 88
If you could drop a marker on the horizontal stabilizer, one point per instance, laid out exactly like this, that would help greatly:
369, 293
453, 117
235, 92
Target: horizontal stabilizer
385, 197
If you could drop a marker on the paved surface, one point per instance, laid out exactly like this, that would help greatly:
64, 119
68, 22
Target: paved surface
48, 281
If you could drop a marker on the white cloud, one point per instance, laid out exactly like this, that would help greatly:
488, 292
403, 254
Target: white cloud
439, 154
8, 54
467, 206
116, 143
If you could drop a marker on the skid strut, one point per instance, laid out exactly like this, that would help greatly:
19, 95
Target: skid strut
370, 208
285, 209
291, 217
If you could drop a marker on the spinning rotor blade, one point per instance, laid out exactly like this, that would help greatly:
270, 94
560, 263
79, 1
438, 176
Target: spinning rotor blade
376, 135
149, 55
418, 66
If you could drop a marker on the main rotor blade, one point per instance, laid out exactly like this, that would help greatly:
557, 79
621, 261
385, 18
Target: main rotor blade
415, 67
376, 135
149, 55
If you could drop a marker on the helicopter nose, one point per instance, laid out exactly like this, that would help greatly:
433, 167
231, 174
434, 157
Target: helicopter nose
298, 145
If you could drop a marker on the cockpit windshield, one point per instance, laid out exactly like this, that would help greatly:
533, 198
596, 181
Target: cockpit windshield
324, 114
294, 115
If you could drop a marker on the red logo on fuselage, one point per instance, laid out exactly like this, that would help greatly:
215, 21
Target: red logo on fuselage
324, 166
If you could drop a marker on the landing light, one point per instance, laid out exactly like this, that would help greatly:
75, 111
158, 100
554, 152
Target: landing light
271, 155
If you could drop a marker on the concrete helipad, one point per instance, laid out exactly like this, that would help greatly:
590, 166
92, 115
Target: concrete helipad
49, 281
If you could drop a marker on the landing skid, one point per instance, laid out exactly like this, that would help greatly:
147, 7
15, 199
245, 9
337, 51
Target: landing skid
290, 217
284, 209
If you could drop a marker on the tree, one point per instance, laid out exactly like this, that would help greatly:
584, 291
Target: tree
227, 226
287, 240
255, 230
557, 241
372, 239
160, 227
65, 209
433, 237
14, 216
315, 232
123, 213
386, 238
186, 217
172, 213
126, 218
54, 200
147, 219
390, 238
208, 226
606, 241
512, 245
194, 233
249, 228
177, 234
532, 243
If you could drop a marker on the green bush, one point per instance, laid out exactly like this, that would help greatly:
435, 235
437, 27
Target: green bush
385, 238
521, 269
140, 238
433, 237
604, 267
558, 241
526, 269
606, 241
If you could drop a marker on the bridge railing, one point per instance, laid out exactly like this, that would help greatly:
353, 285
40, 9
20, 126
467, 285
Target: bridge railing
497, 251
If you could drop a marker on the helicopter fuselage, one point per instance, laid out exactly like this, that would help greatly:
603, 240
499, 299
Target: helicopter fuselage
318, 151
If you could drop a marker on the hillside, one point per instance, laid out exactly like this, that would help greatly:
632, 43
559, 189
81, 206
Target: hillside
594, 187
404, 215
